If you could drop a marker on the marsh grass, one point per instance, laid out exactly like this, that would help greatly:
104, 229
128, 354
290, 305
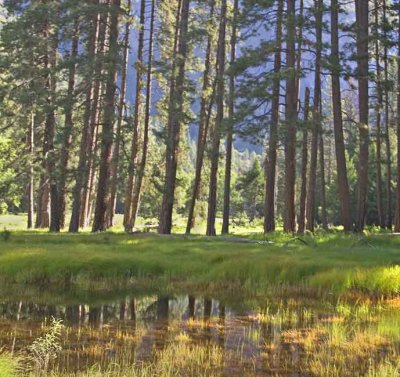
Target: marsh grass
9, 365
336, 263
357, 277
354, 340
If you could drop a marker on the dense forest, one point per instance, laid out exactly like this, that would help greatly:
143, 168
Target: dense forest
215, 111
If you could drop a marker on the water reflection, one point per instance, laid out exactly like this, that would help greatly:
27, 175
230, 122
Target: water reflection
284, 339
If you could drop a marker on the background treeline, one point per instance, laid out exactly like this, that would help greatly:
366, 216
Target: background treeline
220, 110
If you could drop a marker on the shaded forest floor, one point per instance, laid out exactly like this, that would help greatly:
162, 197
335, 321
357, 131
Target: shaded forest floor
328, 263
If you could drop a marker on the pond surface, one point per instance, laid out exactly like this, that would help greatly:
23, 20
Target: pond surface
202, 336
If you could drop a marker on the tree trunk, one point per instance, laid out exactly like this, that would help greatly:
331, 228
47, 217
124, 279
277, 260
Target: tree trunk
299, 50
304, 164
82, 170
343, 183
50, 124
68, 125
175, 115
397, 211
103, 190
47, 190
95, 116
362, 67
378, 109
229, 137
203, 128
388, 211
31, 146
212, 195
135, 136
324, 217
271, 153
142, 165
289, 224
117, 144
310, 211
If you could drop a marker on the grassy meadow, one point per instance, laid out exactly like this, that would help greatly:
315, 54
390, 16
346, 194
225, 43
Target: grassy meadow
325, 263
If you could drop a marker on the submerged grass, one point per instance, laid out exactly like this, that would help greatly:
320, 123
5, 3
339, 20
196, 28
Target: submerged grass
327, 263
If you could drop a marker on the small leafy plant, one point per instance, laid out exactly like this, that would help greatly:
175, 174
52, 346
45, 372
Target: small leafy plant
46, 348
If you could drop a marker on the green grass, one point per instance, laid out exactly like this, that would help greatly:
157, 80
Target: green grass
327, 263
9, 365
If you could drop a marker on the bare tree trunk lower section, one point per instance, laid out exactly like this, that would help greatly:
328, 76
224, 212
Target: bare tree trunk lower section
271, 153
103, 192
216, 137
363, 97
175, 114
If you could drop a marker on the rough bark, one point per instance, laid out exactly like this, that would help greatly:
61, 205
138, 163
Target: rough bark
388, 210
68, 125
378, 110
47, 186
143, 160
397, 209
363, 97
175, 115
135, 136
311, 192
289, 223
271, 153
50, 123
99, 89
299, 50
343, 183
117, 143
103, 189
86, 132
216, 137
